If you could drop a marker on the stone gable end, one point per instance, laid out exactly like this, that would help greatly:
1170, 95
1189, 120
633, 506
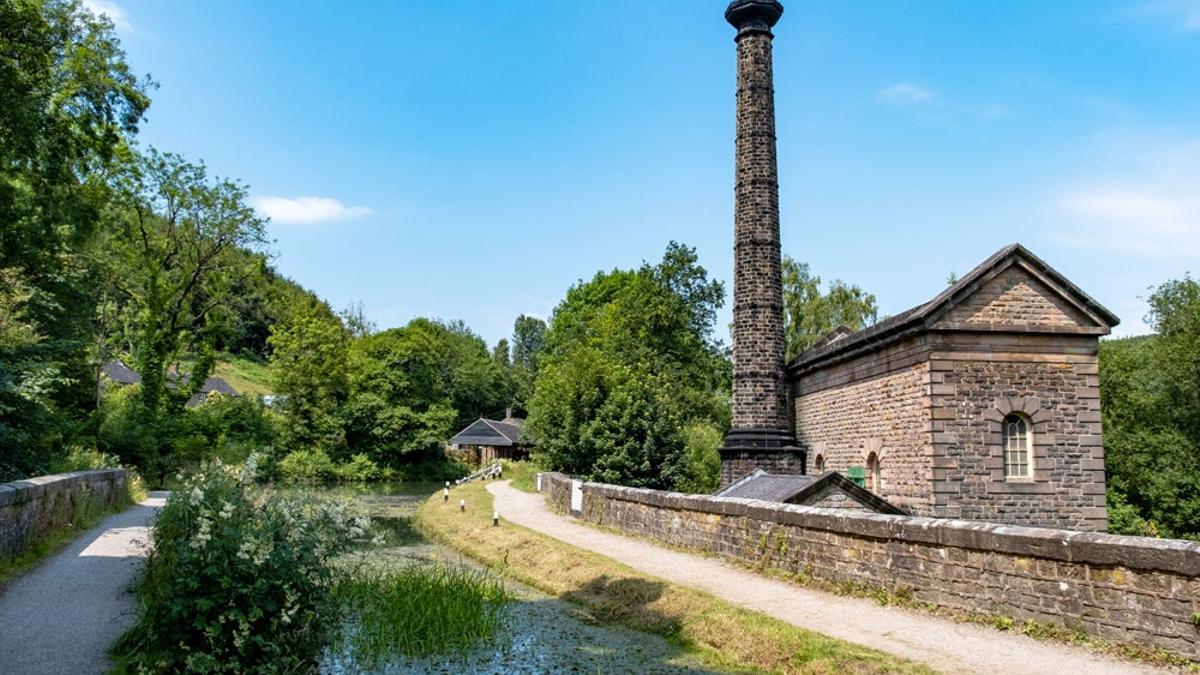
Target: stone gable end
1016, 298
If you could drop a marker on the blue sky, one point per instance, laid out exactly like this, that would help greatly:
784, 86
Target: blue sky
474, 159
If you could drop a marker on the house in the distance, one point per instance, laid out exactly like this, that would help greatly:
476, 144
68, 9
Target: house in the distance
487, 440
116, 373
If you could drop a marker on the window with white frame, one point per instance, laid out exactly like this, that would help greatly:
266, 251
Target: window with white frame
1018, 444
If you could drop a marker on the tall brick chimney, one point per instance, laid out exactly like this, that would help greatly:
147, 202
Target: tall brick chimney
761, 436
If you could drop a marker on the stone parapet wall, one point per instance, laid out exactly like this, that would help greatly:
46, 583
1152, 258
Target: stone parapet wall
1130, 589
38, 507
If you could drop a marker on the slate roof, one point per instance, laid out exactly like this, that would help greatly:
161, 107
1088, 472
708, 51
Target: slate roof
498, 433
120, 373
767, 486
211, 384
923, 316
796, 488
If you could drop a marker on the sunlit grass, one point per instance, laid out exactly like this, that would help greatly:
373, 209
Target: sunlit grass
720, 635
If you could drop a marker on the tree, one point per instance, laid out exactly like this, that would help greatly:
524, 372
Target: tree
412, 387
529, 342
177, 243
810, 314
629, 363
309, 363
69, 102
1150, 403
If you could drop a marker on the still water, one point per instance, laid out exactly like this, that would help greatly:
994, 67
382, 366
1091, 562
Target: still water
542, 634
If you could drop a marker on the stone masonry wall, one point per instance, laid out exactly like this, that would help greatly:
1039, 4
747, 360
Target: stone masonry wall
38, 507
886, 414
1015, 297
1060, 395
1131, 589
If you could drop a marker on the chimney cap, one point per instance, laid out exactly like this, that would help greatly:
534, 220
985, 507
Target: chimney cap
753, 16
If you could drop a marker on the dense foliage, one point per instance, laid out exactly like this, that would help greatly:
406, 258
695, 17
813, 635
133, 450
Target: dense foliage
1150, 391
810, 314
629, 362
239, 580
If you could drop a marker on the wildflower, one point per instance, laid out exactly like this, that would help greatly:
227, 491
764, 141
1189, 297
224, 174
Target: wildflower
378, 540
196, 497
226, 511
204, 535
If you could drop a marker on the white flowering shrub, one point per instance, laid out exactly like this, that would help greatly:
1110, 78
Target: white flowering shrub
239, 579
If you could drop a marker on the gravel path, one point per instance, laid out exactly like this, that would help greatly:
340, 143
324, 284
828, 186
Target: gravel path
62, 616
944, 645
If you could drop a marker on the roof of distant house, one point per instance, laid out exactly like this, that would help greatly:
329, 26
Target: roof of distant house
499, 433
120, 373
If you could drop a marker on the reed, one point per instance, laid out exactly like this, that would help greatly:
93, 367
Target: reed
425, 608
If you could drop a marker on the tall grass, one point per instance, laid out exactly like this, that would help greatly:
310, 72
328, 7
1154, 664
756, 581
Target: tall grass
422, 609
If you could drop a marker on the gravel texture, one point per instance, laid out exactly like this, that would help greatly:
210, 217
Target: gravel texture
62, 616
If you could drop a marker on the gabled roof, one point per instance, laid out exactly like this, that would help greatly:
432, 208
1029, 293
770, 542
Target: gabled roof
795, 489
766, 486
210, 385
490, 432
120, 373
922, 317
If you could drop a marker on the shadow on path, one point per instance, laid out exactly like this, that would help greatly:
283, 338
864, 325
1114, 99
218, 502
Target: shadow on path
63, 615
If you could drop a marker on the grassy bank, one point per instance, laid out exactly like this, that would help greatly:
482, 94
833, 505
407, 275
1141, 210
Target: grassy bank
719, 634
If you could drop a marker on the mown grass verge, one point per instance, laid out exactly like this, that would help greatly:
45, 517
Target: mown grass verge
718, 634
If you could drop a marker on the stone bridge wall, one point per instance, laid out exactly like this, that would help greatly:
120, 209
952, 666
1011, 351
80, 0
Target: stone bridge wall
1130, 589
35, 508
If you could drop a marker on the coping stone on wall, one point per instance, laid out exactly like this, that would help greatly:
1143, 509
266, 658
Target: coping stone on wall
1167, 555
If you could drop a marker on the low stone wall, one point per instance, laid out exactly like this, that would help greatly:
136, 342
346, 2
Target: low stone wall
1130, 589
34, 508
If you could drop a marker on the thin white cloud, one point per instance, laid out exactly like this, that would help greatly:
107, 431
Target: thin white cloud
1183, 14
904, 93
306, 210
1148, 205
112, 10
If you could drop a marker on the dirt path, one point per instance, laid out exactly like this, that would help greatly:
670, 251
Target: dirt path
63, 615
945, 645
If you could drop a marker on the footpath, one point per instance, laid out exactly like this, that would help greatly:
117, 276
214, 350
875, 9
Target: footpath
943, 644
62, 616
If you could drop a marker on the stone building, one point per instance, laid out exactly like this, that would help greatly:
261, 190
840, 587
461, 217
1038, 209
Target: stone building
983, 403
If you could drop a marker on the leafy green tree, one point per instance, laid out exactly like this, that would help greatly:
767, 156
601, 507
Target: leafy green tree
528, 344
68, 102
629, 362
1150, 402
177, 246
309, 363
810, 314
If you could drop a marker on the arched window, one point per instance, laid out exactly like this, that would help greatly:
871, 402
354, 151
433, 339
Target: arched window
820, 464
874, 481
1018, 442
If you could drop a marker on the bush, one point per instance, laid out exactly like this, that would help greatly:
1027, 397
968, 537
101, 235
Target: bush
307, 466
359, 469
702, 471
239, 580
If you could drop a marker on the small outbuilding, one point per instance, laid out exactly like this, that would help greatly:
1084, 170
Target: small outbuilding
487, 440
